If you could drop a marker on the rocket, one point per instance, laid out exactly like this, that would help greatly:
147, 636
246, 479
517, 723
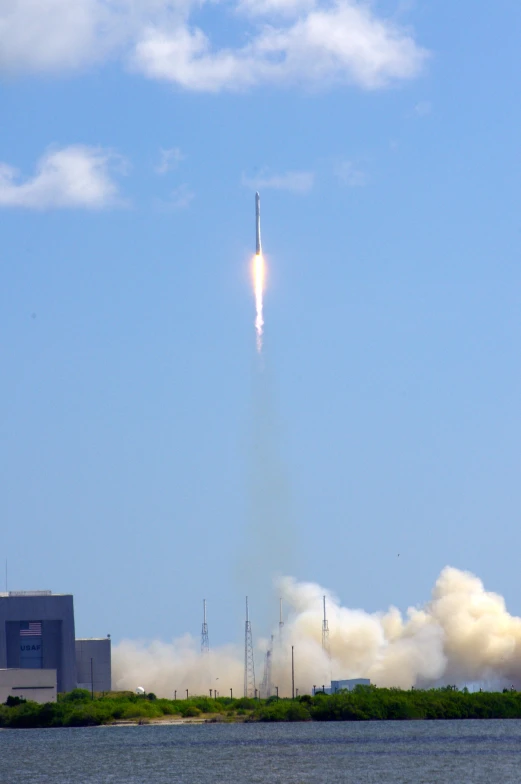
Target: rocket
258, 248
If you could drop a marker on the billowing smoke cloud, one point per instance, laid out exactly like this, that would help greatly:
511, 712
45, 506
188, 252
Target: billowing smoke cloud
464, 634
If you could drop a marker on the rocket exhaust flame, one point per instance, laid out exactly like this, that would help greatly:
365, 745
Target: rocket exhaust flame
259, 275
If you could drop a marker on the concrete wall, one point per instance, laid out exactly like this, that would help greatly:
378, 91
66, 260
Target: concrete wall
36, 685
56, 614
99, 651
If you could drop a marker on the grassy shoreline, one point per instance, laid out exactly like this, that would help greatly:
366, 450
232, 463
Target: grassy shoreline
78, 709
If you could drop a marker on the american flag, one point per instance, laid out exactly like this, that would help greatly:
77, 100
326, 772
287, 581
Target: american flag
31, 629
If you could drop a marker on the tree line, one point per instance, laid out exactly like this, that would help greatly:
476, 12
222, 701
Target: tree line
364, 703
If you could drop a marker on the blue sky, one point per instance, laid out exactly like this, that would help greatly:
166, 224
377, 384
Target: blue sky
385, 141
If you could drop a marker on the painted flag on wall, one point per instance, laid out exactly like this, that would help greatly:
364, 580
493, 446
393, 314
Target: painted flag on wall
31, 629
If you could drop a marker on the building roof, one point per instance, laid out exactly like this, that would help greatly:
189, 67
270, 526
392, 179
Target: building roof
91, 639
22, 594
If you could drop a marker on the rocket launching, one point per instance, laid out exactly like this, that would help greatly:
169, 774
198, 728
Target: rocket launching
259, 274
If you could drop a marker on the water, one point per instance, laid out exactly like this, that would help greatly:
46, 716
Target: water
359, 753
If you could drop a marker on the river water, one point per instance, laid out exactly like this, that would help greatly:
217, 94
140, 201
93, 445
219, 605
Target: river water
430, 752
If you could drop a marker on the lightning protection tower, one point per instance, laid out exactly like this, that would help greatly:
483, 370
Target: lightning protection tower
265, 687
249, 664
205, 641
325, 631
269, 656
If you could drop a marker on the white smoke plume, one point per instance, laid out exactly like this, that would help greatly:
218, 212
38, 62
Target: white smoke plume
464, 634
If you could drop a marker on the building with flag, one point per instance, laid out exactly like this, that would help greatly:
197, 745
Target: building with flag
37, 632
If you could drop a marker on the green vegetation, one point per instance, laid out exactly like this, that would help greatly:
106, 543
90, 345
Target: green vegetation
365, 703
78, 709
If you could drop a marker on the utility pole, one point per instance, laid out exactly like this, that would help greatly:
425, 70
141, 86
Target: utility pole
249, 663
325, 632
205, 642
292, 674
269, 656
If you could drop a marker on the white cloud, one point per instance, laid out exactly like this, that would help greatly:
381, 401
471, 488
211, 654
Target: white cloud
343, 44
74, 176
350, 175
294, 181
47, 35
280, 7
179, 198
170, 160
290, 42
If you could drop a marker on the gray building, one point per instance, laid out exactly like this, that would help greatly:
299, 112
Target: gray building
345, 685
349, 684
35, 685
93, 664
37, 632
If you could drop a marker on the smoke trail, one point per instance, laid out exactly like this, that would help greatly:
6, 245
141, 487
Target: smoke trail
464, 634
268, 544
259, 278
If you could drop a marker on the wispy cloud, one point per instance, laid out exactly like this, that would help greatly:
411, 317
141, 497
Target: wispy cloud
179, 199
423, 109
170, 160
349, 174
287, 8
294, 181
308, 43
72, 177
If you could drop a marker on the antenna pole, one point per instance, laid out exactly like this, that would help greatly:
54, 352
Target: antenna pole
325, 632
292, 674
205, 641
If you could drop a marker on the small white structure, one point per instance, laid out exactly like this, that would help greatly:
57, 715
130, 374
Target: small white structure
35, 685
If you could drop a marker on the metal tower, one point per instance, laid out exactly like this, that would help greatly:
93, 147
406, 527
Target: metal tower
249, 664
325, 631
205, 642
265, 687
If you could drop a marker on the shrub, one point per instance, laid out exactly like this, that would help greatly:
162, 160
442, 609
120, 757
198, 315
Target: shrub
76, 695
297, 712
12, 701
190, 711
246, 702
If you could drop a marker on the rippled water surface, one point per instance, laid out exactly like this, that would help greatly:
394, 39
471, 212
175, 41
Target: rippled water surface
362, 753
